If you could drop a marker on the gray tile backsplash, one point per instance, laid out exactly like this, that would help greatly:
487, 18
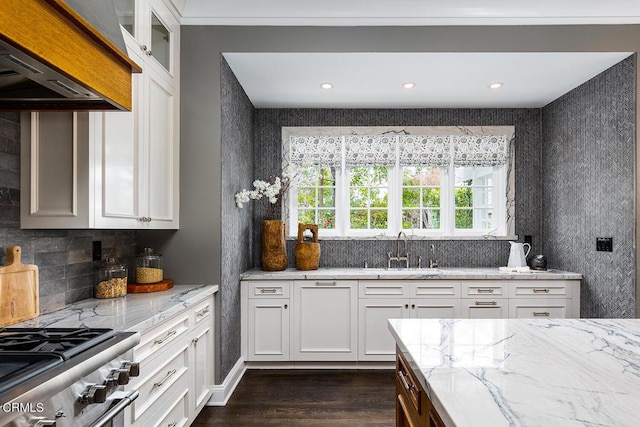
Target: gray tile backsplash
63, 257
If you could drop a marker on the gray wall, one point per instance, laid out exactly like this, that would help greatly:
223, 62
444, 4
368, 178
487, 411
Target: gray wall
450, 253
63, 257
237, 172
588, 188
193, 254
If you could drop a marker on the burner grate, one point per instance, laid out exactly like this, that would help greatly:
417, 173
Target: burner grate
65, 342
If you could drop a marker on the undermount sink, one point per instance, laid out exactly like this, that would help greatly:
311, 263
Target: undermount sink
424, 271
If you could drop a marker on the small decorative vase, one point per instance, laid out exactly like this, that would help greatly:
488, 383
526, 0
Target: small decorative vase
307, 253
274, 245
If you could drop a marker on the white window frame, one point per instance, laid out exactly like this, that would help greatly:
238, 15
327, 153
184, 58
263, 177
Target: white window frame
504, 194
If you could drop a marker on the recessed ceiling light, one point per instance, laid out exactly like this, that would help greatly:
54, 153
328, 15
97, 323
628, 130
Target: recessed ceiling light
496, 85
408, 85
326, 85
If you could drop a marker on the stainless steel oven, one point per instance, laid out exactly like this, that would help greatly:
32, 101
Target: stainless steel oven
65, 377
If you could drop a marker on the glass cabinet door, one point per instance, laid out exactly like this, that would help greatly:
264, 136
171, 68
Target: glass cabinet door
160, 42
126, 12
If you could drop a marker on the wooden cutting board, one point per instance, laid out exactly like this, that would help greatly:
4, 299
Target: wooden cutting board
137, 288
19, 299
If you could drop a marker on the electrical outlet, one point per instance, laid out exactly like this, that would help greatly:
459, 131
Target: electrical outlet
97, 250
604, 244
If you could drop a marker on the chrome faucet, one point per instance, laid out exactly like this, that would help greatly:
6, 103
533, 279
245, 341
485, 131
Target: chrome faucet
433, 262
399, 257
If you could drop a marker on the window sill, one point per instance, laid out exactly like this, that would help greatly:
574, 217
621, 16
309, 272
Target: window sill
412, 237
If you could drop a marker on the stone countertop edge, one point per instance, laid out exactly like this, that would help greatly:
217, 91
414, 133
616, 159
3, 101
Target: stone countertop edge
133, 312
526, 372
448, 273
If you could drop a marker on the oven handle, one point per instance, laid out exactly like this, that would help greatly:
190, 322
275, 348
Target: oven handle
122, 402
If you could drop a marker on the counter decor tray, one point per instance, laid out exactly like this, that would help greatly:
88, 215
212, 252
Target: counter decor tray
137, 288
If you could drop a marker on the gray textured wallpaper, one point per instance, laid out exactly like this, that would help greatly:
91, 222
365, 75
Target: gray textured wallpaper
237, 173
451, 253
588, 183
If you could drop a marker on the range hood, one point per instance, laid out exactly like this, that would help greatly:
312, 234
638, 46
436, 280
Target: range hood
57, 57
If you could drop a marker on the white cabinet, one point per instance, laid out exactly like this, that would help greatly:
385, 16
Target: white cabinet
176, 368
112, 169
544, 298
399, 299
484, 299
325, 320
347, 320
265, 321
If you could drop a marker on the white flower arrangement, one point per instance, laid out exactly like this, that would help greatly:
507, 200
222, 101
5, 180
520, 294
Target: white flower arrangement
268, 189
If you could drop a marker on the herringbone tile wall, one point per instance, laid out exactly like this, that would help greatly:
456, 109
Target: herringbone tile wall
451, 253
588, 161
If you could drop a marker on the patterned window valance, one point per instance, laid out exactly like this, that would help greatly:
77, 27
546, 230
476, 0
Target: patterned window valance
487, 150
370, 150
316, 150
424, 150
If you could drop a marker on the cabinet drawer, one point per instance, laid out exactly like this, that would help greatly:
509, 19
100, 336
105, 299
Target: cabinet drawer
378, 288
408, 385
526, 308
268, 289
161, 381
435, 289
483, 289
539, 289
202, 311
177, 415
161, 337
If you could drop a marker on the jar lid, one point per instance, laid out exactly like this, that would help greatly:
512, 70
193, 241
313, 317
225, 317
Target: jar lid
149, 253
109, 262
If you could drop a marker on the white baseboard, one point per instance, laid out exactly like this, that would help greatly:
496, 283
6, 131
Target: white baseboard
222, 392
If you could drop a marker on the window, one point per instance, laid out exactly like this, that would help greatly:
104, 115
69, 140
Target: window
441, 184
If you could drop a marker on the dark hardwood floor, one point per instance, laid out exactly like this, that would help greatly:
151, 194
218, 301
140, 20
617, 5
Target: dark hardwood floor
307, 398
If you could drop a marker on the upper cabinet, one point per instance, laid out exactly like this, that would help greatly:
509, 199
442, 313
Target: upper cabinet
121, 169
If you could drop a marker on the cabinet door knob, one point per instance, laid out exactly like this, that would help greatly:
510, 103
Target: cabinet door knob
148, 52
143, 47
286, 306
406, 306
413, 306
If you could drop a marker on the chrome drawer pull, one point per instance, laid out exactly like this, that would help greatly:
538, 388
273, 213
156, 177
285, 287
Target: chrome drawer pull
541, 313
404, 381
268, 291
203, 312
334, 283
486, 302
485, 290
169, 335
538, 291
166, 378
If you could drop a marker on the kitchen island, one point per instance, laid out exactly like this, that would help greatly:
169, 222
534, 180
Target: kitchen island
524, 372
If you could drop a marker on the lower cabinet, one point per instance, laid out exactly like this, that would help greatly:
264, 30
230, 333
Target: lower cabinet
325, 320
347, 320
413, 407
176, 369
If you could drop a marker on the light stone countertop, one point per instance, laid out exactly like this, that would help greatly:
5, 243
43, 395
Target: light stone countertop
406, 274
526, 372
133, 312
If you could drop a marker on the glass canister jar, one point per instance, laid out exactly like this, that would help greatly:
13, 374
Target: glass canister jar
149, 267
111, 279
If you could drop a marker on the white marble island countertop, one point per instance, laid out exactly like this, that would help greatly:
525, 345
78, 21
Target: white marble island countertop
133, 312
448, 273
526, 372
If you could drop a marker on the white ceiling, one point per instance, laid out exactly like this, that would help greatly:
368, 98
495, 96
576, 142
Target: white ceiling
408, 12
374, 80
442, 80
